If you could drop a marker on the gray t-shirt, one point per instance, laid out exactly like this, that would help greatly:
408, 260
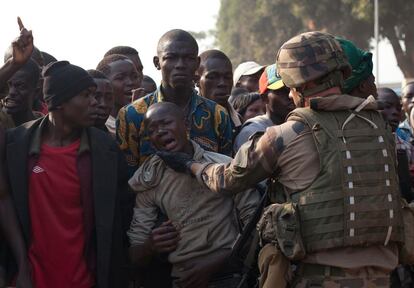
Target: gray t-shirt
250, 127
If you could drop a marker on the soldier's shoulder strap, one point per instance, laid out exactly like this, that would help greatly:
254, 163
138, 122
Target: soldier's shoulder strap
315, 120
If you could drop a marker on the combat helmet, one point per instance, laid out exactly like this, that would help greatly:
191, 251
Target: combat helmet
312, 56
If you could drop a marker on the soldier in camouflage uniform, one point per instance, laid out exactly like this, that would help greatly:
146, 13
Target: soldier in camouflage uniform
335, 158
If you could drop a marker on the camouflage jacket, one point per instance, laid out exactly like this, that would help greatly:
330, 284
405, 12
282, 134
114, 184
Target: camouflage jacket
289, 153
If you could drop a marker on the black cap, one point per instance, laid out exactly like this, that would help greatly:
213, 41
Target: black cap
62, 81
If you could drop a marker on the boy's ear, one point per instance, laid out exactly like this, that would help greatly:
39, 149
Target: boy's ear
197, 80
198, 61
156, 61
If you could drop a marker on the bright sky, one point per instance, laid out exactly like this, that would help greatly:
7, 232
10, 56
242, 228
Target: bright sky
82, 31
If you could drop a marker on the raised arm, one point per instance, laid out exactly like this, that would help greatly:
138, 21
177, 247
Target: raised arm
22, 50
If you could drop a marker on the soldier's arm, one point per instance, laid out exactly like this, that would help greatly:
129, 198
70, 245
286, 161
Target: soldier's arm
255, 161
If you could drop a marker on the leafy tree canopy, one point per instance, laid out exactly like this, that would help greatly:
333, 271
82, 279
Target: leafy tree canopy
255, 29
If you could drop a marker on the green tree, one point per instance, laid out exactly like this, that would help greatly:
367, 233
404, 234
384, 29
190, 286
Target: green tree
247, 30
396, 24
255, 29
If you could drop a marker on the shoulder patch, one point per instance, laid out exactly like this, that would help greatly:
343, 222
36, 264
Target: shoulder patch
148, 175
279, 144
298, 127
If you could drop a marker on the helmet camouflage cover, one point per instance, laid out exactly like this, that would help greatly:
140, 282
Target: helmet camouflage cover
309, 56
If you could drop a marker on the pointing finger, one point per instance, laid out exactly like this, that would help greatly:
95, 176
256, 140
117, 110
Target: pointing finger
19, 21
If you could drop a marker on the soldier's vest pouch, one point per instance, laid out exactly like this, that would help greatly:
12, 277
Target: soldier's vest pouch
280, 225
355, 199
406, 255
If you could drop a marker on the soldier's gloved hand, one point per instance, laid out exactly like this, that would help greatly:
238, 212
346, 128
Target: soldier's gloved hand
178, 161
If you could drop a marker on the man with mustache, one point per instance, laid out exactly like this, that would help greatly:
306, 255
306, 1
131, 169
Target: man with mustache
20, 52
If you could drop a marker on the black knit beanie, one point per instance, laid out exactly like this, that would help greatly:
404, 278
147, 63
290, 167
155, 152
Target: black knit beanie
62, 81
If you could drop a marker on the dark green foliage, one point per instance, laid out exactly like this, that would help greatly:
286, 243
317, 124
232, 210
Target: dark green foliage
255, 29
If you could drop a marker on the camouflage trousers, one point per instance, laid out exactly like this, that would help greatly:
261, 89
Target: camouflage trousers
368, 277
274, 268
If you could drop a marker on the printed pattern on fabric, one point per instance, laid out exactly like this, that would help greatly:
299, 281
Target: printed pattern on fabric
210, 127
404, 140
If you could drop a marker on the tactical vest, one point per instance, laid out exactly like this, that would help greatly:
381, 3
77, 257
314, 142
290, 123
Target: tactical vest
354, 200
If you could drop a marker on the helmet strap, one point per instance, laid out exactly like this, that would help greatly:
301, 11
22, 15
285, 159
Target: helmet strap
333, 79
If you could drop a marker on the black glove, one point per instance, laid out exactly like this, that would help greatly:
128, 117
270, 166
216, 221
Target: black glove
178, 161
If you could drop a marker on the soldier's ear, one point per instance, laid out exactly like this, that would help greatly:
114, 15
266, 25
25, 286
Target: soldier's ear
364, 86
347, 71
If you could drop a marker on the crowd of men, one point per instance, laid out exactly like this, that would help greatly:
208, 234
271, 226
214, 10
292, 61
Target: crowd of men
299, 173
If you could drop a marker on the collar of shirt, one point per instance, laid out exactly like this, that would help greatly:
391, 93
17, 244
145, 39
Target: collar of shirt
195, 98
111, 124
405, 125
339, 102
234, 116
404, 131
36, 141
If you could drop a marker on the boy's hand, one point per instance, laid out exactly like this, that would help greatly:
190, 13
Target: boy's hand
165, 238
199, 272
